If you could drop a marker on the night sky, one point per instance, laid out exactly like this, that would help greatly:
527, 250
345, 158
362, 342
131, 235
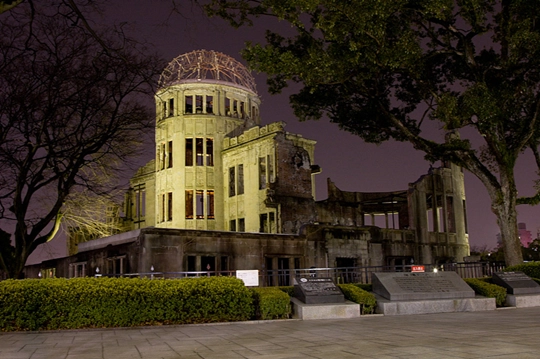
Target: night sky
351, 164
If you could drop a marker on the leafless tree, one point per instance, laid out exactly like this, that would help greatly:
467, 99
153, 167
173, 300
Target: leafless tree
72, 104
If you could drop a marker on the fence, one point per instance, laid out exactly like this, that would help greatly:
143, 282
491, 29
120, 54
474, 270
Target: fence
284, 277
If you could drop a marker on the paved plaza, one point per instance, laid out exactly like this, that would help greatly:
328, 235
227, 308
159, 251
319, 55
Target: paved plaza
504, 333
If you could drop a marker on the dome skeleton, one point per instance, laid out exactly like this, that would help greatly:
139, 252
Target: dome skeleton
206, 65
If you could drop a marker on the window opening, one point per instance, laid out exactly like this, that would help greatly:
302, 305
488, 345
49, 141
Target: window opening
163, 156
210, 204
169, 161
232, 191
241, 110
163, 208
200, 204
199, 148
198, 103
227, 106
189, 151
240, 179
224, 263
263, 225
271, 172
271, 223
209, 152
262, 173
169, 206
241, 225
171, 107
189, 104
232, 225
189, 204
209, 104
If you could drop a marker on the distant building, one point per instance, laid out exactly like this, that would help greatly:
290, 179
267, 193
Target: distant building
226, 193
525, 236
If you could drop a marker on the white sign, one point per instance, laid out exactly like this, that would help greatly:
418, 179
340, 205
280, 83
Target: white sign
250, 277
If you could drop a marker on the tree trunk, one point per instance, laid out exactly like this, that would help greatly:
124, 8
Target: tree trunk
503, 205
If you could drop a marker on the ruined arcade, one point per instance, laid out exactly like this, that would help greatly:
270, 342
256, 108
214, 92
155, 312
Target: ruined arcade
225, 192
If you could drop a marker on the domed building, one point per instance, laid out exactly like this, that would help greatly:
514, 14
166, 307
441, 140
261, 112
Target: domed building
224, 193
215, 166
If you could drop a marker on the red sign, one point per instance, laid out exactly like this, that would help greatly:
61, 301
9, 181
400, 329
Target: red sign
417, 269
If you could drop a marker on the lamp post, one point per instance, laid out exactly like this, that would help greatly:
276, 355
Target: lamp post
152, 272
97, 272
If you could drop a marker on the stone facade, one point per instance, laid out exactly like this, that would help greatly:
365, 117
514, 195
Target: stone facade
226, 193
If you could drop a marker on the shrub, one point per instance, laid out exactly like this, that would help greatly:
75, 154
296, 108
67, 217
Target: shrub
35, 304
483, 288
287, 289
532, 269
355, 294
271, 303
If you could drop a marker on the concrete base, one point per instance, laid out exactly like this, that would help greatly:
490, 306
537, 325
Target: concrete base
387, 307
324, 311
523, 300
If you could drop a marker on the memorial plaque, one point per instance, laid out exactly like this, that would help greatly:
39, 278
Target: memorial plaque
419, 286
516, 283
318, 291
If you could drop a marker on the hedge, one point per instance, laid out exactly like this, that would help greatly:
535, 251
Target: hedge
532, 269
489, 290
367, 300
36, 304
271, 303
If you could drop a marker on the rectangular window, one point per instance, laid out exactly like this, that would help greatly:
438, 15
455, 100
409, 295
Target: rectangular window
163, 208
209, 152
271, 172
189, 104
189, 204
209, 104
169, 160
227, 106
189, 151
169, 206
163, 156
232, 225
241, 110
198, 103
199, 148
140, 204
240, 179
263, 225
163, 109
232, 191
210, 204
241, 225
171, 107
271, 223
224, 264
200, 204
262, 172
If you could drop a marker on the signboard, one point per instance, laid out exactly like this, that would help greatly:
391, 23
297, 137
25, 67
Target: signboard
420, 286
250, 277
317, 291
516, 282
418, 269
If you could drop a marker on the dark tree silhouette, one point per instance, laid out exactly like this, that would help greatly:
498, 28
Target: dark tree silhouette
384, 69
73, 106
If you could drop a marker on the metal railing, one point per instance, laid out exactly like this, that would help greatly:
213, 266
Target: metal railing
285, 277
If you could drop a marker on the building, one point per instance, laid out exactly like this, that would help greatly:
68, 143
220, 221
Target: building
226, 193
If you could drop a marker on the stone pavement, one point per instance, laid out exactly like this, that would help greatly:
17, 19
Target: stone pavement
504, 333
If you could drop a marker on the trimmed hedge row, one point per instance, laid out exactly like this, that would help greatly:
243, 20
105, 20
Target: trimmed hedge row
532, 269
35, 304
354, 293
271, 303
483, 288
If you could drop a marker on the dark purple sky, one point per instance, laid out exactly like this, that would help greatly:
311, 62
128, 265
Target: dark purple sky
351, 164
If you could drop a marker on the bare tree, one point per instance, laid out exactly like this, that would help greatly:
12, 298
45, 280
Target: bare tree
71, 102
